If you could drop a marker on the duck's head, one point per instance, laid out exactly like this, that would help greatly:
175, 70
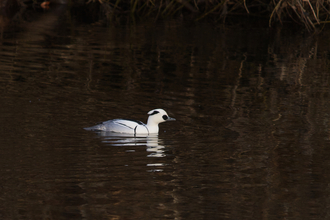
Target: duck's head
157, 116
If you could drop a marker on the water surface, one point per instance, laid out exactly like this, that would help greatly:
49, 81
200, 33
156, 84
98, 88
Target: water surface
250, 141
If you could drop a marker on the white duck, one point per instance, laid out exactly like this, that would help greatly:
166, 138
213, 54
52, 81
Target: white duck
134, 127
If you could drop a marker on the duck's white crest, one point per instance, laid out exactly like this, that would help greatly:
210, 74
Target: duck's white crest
134, 127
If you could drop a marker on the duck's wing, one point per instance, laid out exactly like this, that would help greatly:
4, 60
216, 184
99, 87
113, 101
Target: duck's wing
117, 125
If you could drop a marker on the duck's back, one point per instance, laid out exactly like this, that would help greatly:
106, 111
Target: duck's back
126, 126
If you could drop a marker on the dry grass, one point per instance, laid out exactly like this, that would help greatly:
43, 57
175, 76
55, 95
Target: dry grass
307, 12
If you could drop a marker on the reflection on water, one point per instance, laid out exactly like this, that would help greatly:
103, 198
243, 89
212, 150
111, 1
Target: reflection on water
251, 140
152, 143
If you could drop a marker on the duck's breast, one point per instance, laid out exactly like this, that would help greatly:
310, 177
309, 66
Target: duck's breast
141, 129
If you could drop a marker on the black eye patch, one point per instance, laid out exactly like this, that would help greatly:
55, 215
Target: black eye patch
165, 117
154, 112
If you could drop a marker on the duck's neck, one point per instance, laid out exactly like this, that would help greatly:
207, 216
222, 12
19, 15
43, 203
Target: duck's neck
152, 127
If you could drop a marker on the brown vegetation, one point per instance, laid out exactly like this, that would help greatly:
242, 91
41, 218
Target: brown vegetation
306, 12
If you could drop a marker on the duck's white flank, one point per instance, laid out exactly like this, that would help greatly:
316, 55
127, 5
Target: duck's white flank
134, 127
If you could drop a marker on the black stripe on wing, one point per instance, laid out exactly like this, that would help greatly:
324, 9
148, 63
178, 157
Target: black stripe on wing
136, 121
124, 125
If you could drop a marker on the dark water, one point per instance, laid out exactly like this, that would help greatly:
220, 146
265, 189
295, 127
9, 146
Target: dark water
251, 140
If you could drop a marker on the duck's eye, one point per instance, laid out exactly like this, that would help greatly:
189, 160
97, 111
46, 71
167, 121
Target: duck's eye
165, 117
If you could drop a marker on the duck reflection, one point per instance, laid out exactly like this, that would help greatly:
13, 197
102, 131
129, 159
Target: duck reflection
154, 145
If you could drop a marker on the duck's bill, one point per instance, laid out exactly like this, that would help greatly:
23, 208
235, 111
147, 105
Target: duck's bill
170, 119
